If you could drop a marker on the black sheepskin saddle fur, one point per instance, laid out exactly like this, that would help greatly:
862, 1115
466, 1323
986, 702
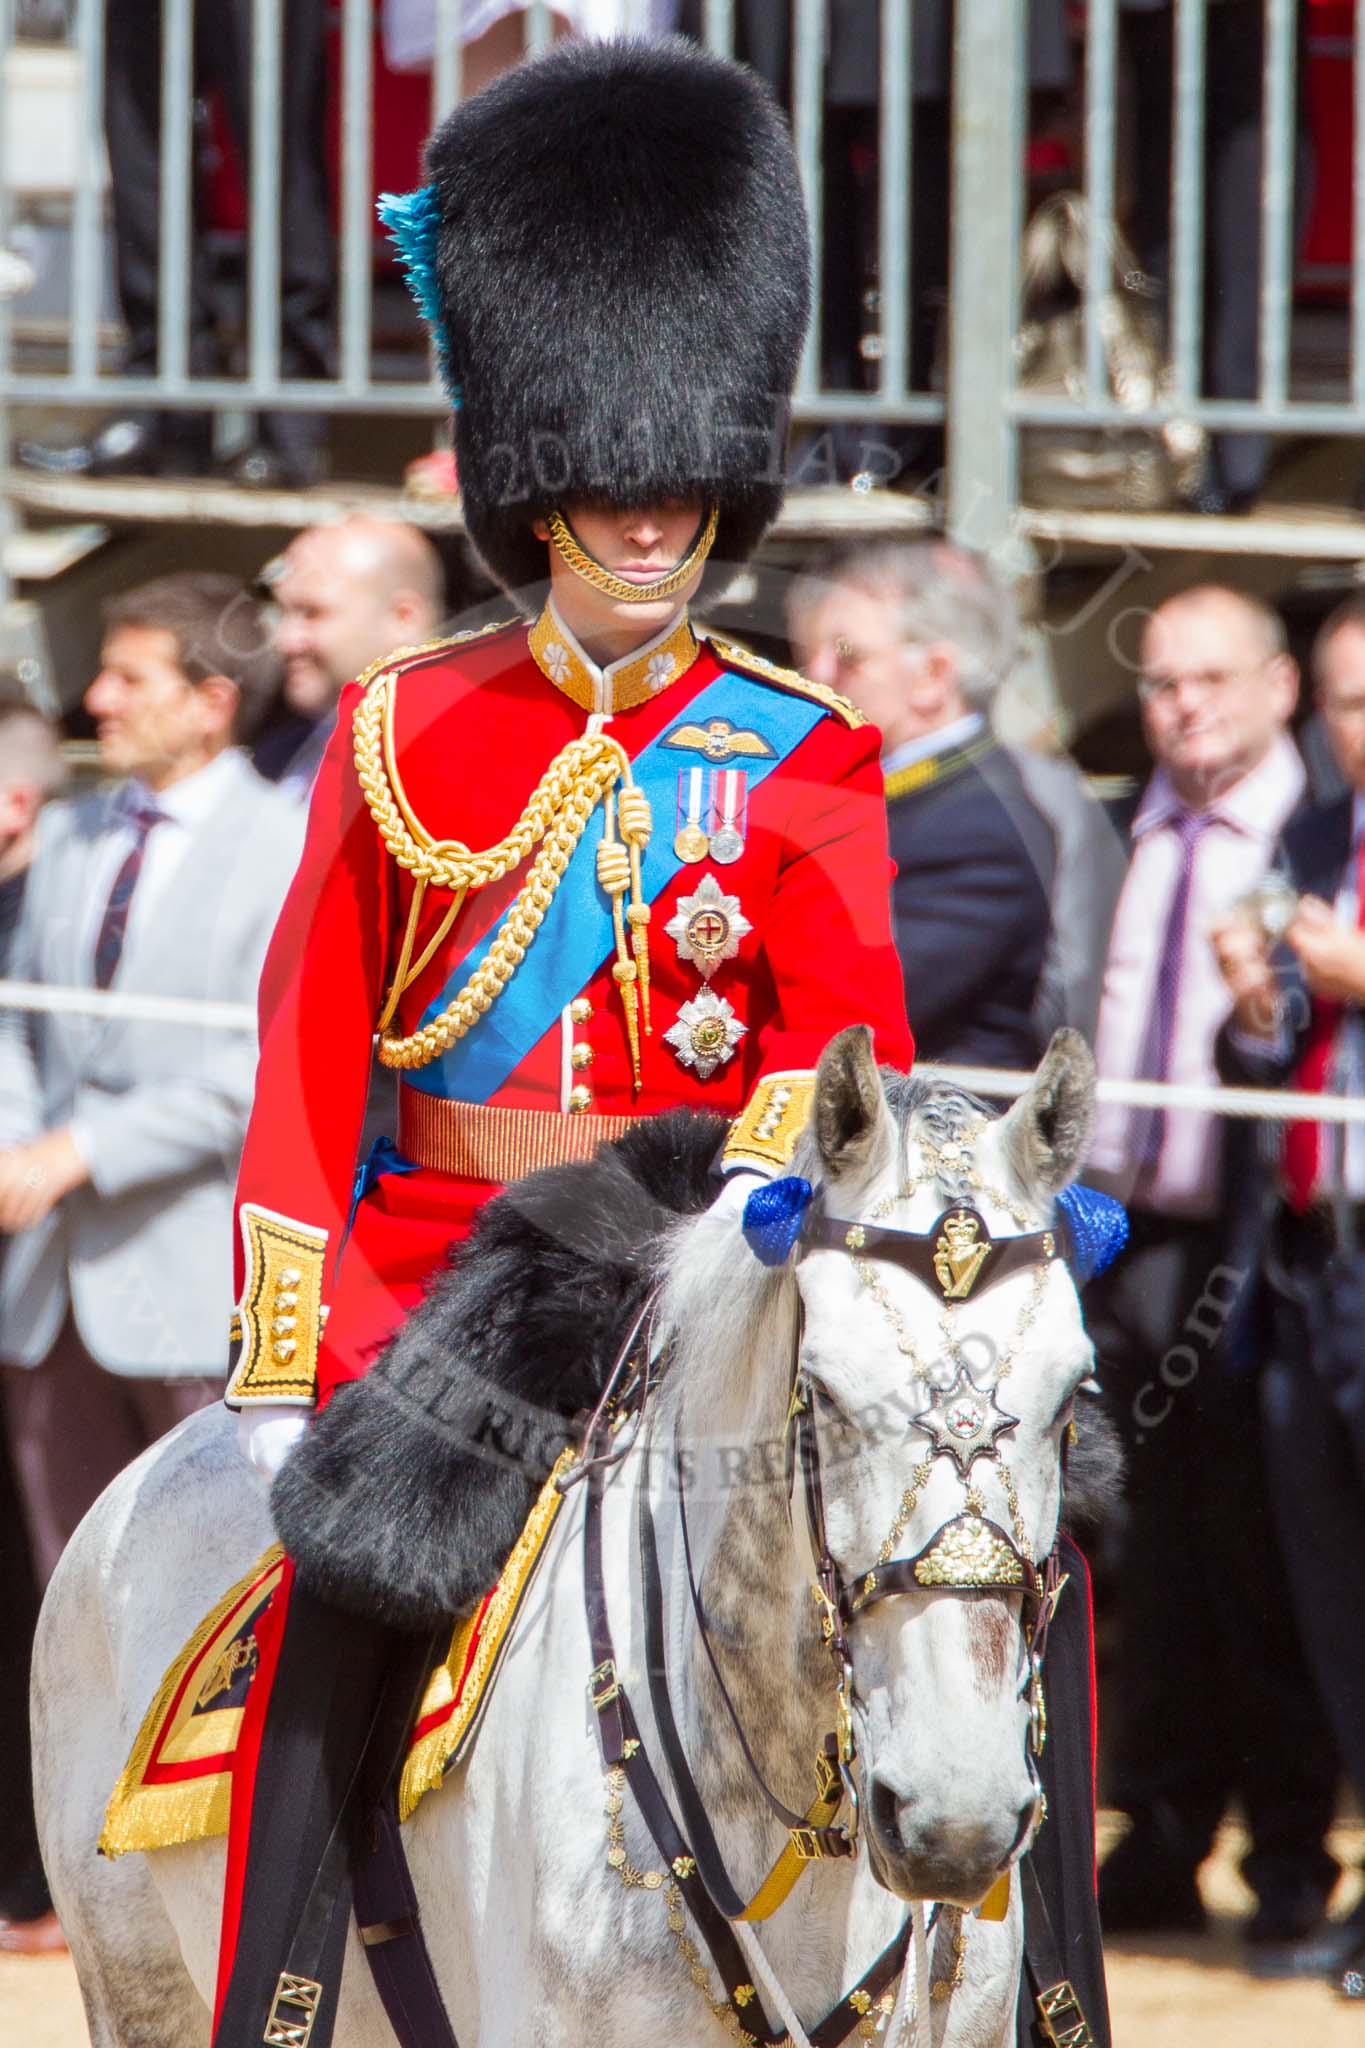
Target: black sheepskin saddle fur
405, 1498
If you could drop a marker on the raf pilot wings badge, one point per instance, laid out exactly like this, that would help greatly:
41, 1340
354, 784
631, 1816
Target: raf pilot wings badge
719, 741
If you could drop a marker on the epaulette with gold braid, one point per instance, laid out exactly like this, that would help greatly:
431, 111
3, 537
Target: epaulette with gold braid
399, 657
751, 664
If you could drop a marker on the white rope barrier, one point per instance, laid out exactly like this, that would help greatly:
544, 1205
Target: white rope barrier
112, 1003
1271, 1104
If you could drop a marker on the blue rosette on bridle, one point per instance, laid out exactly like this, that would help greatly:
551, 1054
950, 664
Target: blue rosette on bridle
1096, 1230
773, 1216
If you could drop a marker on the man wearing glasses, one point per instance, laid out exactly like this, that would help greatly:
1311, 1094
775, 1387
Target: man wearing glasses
1212, 1701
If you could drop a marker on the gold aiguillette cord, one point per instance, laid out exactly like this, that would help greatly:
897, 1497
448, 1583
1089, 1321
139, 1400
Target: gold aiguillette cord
614, 875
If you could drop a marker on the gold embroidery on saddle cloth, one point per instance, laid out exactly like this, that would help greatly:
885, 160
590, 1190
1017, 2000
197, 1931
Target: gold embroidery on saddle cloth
582, 775
174, 1787
459, 1689
177, 1784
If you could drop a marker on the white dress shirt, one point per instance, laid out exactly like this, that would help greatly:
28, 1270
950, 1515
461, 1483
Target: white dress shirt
959, 734
1230, 858
186, 805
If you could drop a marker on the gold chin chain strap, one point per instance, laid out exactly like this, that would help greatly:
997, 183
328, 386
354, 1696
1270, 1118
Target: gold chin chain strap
567, 543
582, 775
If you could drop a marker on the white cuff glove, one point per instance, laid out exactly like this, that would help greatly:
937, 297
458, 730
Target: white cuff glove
267, 1432
735, 1192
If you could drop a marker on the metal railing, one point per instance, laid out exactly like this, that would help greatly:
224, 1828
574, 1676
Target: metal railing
1266, 1105
986, 407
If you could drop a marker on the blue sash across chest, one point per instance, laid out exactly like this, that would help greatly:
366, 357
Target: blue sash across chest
575, 937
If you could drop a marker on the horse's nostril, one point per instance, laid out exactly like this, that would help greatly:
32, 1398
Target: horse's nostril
884, 1814
1025, 1818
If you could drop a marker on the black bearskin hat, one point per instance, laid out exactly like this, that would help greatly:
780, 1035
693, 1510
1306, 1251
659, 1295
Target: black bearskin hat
620, 269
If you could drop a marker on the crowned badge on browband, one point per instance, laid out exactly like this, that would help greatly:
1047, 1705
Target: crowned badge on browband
960, 1254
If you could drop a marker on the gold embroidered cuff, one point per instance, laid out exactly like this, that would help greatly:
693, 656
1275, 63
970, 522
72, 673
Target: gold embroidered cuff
763, 1136
281, 1309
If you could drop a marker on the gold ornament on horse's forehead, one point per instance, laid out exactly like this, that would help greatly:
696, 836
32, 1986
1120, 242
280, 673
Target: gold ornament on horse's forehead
964, 1422
960, 1254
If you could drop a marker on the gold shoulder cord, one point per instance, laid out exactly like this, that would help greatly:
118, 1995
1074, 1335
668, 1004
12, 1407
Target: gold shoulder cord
581, 776
730, 653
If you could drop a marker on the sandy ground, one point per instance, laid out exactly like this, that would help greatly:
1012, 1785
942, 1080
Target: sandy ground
1177, 1993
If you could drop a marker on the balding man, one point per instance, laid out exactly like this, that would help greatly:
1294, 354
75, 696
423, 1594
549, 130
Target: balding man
1213, 1701
347, 595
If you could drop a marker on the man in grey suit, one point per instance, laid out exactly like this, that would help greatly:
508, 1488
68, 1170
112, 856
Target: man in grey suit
119, 1138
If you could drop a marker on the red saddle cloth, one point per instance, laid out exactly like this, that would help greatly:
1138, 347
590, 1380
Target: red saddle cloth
177, 1783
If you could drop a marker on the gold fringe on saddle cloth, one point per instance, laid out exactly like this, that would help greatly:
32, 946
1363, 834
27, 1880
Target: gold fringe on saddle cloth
177, 1784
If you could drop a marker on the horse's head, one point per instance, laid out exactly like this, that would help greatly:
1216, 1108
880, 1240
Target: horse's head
941, 1356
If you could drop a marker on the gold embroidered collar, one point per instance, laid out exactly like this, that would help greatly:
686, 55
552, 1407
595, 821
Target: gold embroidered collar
623, 684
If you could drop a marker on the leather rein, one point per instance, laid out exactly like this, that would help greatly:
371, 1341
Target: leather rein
990, 1560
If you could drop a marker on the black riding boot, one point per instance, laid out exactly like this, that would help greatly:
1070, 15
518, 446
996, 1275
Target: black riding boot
1063, 1855
342, 1700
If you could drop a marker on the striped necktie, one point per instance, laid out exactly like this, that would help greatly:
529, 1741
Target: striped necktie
139, 817
1150, 1125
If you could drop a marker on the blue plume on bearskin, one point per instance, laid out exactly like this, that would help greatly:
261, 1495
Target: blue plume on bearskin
773, 1216
412, 222
1096, 1228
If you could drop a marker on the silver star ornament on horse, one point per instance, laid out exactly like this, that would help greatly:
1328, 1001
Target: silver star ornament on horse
706, 1033
707, 927
964, 1421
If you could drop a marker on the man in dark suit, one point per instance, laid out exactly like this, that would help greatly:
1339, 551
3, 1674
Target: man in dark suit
1298, 1020
1212, 1700
919, 634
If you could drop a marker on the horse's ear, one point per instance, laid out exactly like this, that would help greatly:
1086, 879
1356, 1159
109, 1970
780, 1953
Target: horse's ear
853, 1125
1047, 1132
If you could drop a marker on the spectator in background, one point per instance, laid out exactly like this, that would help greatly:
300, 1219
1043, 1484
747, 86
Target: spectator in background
1229, 266
920, 634
1298, 1021
120, 1139
32, 771
346, 595
290, 449
853, 309
1212, 1697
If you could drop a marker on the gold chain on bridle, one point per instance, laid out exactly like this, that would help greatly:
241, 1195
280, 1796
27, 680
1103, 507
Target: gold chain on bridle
584, 774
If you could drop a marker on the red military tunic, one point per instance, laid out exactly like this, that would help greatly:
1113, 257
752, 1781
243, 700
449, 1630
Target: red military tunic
474, 725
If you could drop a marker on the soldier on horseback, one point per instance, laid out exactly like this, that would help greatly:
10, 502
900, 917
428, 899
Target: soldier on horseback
581, 865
